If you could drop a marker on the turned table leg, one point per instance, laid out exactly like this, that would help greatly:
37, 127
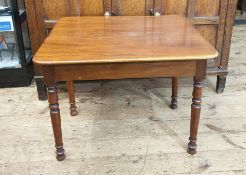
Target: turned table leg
174, 101
195, 115
56, 121
72, 102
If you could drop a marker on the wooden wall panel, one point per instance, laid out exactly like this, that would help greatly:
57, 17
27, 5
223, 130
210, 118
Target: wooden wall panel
133, 7
209, 18
209, 32
182, 7
149, 5
33, 26
74, 7
158, 6
40, 17
91, 7
178, 7
221, 28
207, 7
230, 17
71, 8
61, 9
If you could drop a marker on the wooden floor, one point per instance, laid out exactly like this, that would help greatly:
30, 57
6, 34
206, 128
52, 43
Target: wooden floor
126, 127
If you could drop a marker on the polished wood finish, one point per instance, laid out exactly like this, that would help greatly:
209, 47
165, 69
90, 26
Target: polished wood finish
125, 70
56, 121
174, 101
71, 95
195, 115
213, 19
77, 40
196, 105
85, 64
48, 73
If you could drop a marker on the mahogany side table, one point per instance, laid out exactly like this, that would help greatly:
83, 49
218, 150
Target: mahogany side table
120, 47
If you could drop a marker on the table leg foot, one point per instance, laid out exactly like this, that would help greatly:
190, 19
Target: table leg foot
72, 102
60, 153
73, 110
220, 86
174, 102
192, 147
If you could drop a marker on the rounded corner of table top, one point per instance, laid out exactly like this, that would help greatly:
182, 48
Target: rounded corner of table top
36, 61
215, 55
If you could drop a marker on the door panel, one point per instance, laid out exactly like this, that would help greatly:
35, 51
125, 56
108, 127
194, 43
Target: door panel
74, 7
207, 7
49, 13
91, 7
133, 7
209, 18
177, 7
71, 8
208, 32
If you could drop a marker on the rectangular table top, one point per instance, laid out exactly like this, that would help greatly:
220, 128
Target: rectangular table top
118, 39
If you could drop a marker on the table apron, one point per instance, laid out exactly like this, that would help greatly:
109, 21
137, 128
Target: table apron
123, 70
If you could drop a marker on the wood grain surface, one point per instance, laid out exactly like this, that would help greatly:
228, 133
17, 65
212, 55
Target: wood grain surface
124, 70
123, 39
